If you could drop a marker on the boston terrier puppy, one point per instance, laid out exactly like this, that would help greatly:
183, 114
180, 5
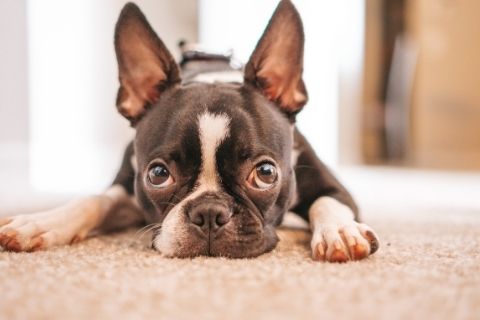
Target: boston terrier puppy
216, 161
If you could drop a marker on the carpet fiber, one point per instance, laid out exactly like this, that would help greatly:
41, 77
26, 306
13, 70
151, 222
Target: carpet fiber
428, 267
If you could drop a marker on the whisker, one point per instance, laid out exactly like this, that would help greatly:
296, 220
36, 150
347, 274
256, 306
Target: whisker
156, 231
139, 234
177, 197
145, 230
168, 202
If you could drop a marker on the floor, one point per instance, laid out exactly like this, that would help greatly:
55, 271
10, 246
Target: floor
428, 266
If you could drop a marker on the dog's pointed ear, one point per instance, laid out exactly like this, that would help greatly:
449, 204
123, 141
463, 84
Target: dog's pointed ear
276, 65
145, 66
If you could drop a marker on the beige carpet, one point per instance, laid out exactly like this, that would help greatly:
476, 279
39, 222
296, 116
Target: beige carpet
428, 267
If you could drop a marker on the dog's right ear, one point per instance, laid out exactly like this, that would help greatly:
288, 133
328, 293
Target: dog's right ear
145, 66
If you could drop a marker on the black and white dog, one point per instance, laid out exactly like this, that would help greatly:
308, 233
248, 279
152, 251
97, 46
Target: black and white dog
214, 165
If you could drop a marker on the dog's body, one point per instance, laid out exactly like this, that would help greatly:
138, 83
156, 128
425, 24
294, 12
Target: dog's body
216, 161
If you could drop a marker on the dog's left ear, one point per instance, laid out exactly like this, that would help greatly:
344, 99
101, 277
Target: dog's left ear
146, 67
276, 65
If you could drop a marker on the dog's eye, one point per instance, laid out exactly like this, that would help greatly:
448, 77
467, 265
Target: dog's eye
263, 176
159, 176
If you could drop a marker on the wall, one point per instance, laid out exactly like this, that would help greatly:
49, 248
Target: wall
446, 95
13, 81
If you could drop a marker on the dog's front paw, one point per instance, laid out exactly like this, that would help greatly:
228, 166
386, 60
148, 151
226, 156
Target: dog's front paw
343, 242
29, 233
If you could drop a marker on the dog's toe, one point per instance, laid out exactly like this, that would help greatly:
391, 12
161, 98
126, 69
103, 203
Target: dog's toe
370, 236
13, 245
36, 244
318, 251
339, 253
343, 243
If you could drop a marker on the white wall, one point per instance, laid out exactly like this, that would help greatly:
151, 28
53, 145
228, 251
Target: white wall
13, 82
76, 136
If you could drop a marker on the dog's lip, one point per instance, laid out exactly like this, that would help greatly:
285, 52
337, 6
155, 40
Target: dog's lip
214, 248
197, 234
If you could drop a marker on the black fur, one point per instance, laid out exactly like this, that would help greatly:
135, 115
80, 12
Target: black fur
261, 126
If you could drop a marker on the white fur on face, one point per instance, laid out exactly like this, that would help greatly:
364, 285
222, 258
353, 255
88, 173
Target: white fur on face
213, 129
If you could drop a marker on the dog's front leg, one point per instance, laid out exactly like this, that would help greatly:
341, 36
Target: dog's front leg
336, 236
63, 225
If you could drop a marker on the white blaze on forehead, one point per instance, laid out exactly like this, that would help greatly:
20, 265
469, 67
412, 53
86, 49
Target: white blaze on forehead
213, 129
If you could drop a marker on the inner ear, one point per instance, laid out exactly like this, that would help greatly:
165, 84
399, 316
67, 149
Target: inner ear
276, 65
146, 67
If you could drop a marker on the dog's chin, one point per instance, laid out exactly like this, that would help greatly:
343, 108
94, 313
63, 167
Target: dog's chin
189, 244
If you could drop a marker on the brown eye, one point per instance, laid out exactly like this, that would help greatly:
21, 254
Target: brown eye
159, 176
263, 176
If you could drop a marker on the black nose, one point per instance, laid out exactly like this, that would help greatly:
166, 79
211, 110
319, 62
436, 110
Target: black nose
209, 215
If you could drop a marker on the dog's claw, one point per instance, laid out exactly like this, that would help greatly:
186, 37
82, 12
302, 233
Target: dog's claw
13, 245
338, 256
318, 254
373, 240
36, 244
359, 252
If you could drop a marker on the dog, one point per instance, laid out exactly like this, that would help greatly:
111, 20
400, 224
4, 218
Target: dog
216, 161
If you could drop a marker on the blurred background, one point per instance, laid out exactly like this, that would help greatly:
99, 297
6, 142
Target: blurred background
394, 101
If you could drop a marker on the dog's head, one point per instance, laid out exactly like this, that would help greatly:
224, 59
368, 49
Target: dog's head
213, 160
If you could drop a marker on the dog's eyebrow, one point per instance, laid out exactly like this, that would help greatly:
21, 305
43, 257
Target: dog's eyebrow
166, 153
259, 151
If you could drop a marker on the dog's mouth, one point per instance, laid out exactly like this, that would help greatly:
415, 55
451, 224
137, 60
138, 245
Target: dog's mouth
222, 243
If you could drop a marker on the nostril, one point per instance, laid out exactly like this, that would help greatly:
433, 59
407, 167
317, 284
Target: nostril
198, 219
222, 218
